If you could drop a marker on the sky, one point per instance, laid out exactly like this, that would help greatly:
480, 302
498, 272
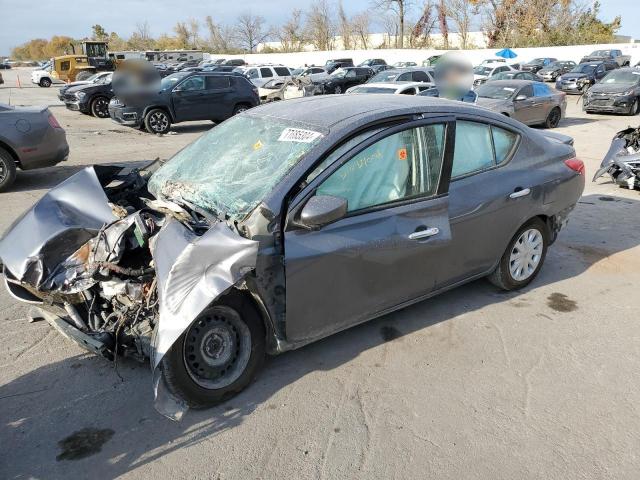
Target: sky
22, 20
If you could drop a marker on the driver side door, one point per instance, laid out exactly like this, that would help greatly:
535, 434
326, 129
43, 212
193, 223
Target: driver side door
386, 250
188, 99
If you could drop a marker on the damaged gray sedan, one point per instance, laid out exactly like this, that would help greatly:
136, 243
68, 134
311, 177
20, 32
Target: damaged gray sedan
283, 225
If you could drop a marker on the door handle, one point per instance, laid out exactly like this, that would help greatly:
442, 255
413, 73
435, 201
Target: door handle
523, 192
427, 232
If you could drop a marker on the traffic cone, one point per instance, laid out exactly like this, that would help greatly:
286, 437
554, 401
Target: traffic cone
18, 81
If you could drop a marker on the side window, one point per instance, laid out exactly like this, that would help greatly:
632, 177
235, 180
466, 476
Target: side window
404, 77
66, 65
409, 91
541, 90
282, 71
216, 83
192, 84
252, 73
419, 76
351, 74
265, 72
527, 91
402, 165
479, 146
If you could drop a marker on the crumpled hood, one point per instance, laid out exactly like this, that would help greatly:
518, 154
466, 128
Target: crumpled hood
574, 76
610, 88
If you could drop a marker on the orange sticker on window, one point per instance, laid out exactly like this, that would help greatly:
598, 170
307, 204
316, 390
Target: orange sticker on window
402, 154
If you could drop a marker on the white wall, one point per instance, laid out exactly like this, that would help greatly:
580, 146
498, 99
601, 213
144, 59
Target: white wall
297, 59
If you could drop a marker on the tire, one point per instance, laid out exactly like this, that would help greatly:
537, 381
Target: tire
83, 75
100, 107
216, 358
157, 121
241, 107
45, 82
7, 170
337, 90
506, 275
635, 108
553, 119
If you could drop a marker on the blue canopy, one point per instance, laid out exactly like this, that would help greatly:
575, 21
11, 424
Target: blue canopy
506, 53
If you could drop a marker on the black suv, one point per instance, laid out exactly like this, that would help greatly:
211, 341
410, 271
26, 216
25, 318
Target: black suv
336, 63
339, 81
92, 98
186, 96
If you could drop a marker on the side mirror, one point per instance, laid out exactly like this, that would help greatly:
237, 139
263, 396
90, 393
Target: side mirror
520, 98
323, 209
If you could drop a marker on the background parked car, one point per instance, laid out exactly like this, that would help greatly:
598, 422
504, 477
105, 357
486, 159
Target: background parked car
92, 98
514, 75
413, 74
583, 76
482, 72
185, 96
96, 77
618, 92
332, 65
272, 90
537, 64
397, 88
532, 103
375, 64
550, 73
30, 138
340, 80
314, 73
611, 55
261, 74
4, 66
236, 62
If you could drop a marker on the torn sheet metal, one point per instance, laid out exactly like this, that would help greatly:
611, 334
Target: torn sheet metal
62, 220
192, 271
622, 161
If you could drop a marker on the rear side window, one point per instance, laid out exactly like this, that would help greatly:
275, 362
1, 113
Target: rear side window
282, 71
479, 146
215, 83
404, 77
266, 72
419, 76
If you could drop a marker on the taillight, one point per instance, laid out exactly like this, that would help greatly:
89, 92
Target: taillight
576, 165
53, 122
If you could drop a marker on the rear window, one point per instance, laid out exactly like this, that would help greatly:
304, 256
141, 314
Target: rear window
214, 83
282, 71
266, 72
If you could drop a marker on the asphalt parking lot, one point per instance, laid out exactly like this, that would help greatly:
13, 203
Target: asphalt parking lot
474, 384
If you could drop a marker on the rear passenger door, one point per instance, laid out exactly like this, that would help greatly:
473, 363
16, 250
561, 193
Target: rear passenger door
219, 97
488, 197
523, 105
543, 101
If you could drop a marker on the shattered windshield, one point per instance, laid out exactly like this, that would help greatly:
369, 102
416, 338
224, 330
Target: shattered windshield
233, 167
622, 77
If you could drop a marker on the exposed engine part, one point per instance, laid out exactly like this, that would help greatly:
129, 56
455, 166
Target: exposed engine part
622, 161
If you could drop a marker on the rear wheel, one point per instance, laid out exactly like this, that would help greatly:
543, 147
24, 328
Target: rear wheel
635, 108
45, 82
7, 170
157, 121
523, 258
242, 107
216, 358
100, 107
553, 119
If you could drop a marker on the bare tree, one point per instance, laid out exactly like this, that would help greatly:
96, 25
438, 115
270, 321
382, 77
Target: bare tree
442, 21
251, 31
292, 35
400, 8
361, 24
421, 32
345, 28
461, 12
320, 25
221, 37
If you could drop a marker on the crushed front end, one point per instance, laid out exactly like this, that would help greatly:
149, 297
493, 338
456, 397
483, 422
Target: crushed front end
622, 161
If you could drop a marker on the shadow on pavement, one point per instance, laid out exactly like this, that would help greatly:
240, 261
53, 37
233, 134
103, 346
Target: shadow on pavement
45, 406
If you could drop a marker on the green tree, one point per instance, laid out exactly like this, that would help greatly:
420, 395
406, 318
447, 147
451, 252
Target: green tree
99, 33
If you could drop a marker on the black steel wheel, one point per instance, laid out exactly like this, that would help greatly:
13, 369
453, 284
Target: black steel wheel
553, 119
216, 357
100, 107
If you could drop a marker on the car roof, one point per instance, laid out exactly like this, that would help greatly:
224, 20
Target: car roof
329, 111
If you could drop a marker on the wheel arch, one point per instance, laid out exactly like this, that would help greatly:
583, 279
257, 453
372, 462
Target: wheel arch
10, 150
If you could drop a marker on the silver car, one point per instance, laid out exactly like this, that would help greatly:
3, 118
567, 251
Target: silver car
285, 224
30, 138
532, 103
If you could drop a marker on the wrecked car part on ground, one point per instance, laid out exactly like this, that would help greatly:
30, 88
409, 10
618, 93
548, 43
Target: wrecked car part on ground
282, 226
622, 161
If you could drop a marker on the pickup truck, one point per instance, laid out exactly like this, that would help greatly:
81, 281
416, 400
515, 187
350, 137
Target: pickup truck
608, 55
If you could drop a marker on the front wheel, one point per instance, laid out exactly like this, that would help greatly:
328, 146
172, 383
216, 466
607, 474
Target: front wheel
337, 90
157, 121
635, 108
100, 107
523, 258
553, 119
45, 82
216, 358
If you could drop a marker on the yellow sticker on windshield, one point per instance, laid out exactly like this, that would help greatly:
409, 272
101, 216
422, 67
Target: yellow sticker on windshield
257, 145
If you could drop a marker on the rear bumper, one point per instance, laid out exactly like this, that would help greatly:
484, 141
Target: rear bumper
52, 150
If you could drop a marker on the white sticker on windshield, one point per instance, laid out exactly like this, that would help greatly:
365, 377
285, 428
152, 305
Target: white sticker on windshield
298, 135
509, 89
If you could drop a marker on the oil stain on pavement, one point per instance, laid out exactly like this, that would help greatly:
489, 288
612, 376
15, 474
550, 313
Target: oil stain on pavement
561, 303
84, 443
